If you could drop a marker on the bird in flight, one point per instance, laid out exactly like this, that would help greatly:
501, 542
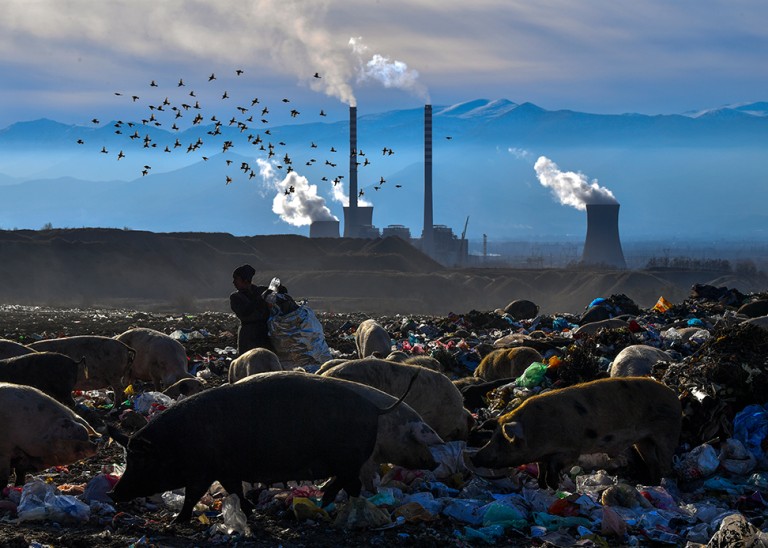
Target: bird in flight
120, 155
212, 77
153, 84
181, 82
317, 75
238, 72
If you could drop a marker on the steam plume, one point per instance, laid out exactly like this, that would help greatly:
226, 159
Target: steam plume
571, 188
300, 206
390, 74
340, 196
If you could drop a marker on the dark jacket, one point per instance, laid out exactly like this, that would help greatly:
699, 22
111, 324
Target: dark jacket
253, 312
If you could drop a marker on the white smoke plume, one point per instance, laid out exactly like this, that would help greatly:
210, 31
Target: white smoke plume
571, 188
340, 196
296, 201
390, 74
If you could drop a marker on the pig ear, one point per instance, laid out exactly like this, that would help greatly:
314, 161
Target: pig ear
512, 431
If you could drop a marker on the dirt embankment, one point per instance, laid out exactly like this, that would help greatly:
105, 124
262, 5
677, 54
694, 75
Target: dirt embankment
192, 271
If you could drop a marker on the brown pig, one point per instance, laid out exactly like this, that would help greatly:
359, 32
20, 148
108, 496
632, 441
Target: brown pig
602, 416
159, 358
433, 395
106, 360
11, 349
256, 360
38, 432
372, 339
53, 373
506, 362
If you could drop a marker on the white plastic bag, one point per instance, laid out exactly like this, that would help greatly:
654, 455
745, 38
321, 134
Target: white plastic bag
298, 339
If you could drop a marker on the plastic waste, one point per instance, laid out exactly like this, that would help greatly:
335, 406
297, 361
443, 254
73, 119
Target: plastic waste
662, 305
234, 518
612, 523
750, 427
701, 462
735, 530
41, 501
533, 375
759, 480
174, 501
450, 458
553, 523
469, 511
489, 534
304, 508
413, 512
298, 338
152, 402
358, 513
735, 458
98, 487
504, 514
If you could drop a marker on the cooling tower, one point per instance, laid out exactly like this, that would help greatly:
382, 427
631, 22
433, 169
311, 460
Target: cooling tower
602, 245
324, 229
427, 234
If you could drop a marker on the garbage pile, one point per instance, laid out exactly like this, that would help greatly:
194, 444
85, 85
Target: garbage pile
710, 349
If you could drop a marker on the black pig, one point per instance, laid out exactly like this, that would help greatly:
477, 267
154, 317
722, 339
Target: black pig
267, 428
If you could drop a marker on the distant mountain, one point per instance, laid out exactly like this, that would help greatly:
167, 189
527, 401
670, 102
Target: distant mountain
699, 175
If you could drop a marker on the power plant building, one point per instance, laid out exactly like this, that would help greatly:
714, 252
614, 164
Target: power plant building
602, 245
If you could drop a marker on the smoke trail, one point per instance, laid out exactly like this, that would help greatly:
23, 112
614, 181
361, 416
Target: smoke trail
571, 188
391, 74
341, 197
296, 202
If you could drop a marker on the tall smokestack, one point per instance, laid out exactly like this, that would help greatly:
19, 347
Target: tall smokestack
427, 234
353, 157
602, 245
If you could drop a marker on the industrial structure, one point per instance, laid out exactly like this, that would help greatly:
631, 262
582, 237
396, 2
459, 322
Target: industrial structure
437, 241
602, 245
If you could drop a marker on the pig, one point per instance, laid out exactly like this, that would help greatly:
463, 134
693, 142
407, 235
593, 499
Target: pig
397, 356
256, 360
184, 387
602, 416
754, 309
107, 360
329, 364
403, 436
433, 396
593, 327
424, 361
159, 358
371, 338
265, 428
506, 362
637, 360
522, 309
53, 373
475, 394
38, 432
11, 349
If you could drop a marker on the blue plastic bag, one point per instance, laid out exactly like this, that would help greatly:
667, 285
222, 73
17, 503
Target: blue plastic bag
750, 427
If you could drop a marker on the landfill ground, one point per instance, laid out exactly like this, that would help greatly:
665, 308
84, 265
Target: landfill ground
716, 375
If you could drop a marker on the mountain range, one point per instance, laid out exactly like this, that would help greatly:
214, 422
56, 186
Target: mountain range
694, 176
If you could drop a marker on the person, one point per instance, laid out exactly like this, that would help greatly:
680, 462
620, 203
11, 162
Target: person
251, 309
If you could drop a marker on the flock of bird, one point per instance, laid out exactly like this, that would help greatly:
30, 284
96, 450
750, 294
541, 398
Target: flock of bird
249, 119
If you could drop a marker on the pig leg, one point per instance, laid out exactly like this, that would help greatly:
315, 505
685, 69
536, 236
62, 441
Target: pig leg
193, 492
649, 453
5, 471
351, 484
549, 473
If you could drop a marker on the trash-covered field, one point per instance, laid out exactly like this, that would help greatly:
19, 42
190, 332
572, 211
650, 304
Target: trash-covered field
706, 348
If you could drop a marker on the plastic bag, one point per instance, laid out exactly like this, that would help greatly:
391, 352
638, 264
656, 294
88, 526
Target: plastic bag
234, 518
532, 376
298, 339
358, 513
152, 402
699, 463
42, 501
750, 427
735, 458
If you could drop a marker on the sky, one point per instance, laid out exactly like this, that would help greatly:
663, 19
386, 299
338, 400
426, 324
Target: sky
66, 59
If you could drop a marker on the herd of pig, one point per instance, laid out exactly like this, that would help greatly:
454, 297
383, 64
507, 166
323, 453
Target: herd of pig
268, 425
